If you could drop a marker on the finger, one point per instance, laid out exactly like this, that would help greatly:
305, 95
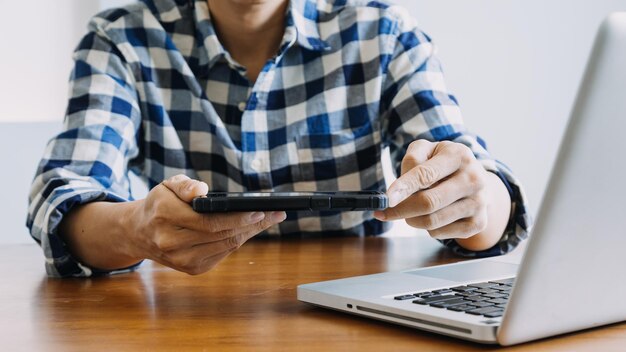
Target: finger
442, 164
194, 260
430, 200
417, 153
186, 238
461, 229
271, 218
235, 240
185, 188
211, 262
190, 260
203, 264
217, 222
461, 209
176, 212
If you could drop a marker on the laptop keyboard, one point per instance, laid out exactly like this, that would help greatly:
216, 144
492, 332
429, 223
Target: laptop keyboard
484, 298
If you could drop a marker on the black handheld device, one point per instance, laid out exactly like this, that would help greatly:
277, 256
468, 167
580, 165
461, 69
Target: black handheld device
276, 201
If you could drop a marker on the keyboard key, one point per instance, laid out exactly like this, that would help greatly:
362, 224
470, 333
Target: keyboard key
465, 294
486, 290
424, 294
463, 289
461, 308
498, 301
485, 310
482, 304
449, 303
504, 288
433, 299
444, 290
476, 298
403, 297
494, 314
501, 305
496, 295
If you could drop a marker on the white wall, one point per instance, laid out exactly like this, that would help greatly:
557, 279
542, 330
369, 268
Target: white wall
38, 38
513, 64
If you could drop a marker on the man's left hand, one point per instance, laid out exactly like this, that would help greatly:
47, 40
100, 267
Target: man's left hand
442, 188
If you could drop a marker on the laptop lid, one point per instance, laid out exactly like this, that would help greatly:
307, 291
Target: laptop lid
573, 275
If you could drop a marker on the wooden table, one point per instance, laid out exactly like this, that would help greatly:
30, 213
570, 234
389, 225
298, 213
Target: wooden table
247, 303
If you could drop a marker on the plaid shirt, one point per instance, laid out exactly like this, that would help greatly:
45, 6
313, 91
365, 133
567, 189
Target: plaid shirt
154, 92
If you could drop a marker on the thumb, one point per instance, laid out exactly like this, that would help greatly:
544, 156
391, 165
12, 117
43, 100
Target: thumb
185, 188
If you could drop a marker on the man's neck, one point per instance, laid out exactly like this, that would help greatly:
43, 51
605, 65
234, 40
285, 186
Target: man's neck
251, 30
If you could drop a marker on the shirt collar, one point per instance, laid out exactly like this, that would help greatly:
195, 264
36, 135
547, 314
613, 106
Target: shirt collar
303, 15
301, 23
167, 10
211, 50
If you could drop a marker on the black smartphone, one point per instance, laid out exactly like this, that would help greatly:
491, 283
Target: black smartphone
277, 201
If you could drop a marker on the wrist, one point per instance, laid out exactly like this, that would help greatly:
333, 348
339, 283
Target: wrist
128, 214
112, 223
97, 235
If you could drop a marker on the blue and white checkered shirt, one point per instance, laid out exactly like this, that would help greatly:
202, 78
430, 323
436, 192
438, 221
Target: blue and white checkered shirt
154, 92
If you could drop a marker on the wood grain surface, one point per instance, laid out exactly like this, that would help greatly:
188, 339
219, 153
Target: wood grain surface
247, 303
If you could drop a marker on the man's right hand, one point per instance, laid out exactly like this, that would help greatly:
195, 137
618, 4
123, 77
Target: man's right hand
162, 227
166, 229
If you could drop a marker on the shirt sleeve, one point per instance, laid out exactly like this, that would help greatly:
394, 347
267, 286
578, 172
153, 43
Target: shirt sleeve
416, 104
88, 161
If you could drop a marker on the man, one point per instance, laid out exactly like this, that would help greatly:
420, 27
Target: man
246, 95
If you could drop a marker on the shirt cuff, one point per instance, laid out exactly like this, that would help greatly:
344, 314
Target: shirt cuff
59, 260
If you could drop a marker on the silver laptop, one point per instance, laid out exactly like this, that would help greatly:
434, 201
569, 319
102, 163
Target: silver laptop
573, 273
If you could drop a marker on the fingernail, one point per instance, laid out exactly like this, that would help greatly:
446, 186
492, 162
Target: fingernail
278, 216
256, 217
395, 198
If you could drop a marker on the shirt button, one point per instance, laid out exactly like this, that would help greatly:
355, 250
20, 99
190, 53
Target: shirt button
242, 106
256, 165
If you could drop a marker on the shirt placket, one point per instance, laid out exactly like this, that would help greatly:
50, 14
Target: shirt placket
256, 165
256, 158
